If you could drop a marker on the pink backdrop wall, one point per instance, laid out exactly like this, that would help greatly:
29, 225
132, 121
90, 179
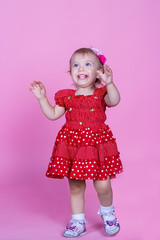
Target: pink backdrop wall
36, 42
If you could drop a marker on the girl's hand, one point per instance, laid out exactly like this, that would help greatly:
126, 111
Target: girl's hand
38, 90
106, 75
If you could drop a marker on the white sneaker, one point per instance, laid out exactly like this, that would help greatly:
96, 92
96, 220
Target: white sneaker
111, 224
75, 229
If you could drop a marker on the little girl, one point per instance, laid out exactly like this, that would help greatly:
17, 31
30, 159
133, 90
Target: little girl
85, 147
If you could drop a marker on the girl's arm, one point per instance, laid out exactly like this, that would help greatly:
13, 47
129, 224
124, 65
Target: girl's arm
112, 98
50, 112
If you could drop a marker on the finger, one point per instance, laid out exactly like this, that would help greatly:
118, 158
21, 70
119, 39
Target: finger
41, 84
100, 72
35, 81
104, 69
106, 65
34, 85
108, 69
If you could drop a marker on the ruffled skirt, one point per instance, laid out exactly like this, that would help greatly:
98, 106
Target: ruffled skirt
84, 154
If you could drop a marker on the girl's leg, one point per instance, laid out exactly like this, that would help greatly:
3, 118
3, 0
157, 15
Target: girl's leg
77, 227
104, 191
77, 189
105, 195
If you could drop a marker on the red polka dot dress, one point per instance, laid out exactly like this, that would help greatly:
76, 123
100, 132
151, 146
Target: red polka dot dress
84, 147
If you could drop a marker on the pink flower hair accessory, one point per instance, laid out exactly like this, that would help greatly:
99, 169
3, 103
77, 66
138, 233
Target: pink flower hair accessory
101, 57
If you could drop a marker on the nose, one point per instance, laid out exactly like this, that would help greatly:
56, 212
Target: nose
81, 68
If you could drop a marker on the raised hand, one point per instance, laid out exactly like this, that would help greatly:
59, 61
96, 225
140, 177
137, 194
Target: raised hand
38, 90
106, 75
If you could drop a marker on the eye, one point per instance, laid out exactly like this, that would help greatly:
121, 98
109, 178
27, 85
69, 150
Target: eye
88, 64
75, 65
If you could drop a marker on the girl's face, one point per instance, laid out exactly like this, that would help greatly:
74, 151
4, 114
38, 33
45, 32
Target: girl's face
84, 69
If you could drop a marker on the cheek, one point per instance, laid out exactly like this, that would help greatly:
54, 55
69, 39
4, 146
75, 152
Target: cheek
94, 73
73, 74
74, 70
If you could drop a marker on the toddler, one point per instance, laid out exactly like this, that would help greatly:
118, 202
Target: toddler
85, 147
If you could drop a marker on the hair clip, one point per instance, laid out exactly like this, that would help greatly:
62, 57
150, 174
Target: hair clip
101, 57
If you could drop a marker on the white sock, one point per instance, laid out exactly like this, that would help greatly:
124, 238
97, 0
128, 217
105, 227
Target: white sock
108, 209
79, 216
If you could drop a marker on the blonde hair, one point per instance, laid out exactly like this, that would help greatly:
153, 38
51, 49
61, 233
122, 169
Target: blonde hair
84, 51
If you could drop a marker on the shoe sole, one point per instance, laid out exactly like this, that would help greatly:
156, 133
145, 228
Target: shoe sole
74, 236
112, 235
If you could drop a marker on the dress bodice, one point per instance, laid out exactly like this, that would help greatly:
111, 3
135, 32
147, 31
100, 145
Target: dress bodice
81, 110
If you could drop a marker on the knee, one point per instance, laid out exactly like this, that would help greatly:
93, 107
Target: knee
102, 187
77, 187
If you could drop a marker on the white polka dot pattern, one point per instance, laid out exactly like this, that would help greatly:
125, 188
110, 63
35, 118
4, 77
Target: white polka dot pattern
107, 164
85, 136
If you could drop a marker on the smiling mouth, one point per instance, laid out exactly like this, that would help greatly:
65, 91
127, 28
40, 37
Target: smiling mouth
82, 76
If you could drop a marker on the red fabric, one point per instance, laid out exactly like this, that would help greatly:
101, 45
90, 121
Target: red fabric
85, 147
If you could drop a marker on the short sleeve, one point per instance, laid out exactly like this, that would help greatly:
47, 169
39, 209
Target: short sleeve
60, 98
102, 93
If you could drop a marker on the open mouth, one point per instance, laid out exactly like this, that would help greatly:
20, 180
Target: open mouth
82, 76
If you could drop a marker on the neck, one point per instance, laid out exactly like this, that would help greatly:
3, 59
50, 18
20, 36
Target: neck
87, 89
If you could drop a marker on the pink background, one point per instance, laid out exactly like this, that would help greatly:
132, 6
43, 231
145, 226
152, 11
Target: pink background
37, 39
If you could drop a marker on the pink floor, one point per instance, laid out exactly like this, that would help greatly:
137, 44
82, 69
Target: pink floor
43, 215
